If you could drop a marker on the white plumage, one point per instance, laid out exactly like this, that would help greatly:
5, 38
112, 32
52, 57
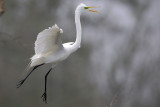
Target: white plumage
48, 40
47, 43
49, 48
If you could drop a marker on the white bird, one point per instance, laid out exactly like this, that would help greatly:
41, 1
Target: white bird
49, 48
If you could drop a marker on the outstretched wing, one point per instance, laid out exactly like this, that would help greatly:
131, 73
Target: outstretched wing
48, 40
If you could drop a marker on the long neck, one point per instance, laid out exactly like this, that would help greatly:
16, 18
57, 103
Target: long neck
77, 43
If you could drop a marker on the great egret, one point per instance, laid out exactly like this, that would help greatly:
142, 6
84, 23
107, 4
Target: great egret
49, 47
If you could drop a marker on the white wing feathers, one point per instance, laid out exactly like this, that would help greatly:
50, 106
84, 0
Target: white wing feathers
47, 41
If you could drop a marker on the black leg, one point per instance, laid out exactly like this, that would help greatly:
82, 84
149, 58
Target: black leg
22, 81
44, 95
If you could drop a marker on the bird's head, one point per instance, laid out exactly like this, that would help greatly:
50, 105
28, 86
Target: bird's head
85, 7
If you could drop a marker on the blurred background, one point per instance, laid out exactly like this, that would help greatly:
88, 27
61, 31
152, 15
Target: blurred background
118, 64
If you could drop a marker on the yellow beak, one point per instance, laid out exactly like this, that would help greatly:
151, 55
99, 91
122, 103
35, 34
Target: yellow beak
93, 10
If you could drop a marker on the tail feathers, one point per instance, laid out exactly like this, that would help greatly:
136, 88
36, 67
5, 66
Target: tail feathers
36, 62
26, 70
27, 67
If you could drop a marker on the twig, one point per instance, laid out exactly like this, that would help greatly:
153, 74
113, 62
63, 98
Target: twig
113, 100
1, 7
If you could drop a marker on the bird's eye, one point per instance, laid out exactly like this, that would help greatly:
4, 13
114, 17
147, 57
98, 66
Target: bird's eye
86, 7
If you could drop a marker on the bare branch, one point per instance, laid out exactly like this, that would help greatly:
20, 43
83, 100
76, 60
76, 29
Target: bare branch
1, 7
113, 100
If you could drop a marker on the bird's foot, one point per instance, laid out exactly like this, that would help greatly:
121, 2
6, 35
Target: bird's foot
20, 83
44, 97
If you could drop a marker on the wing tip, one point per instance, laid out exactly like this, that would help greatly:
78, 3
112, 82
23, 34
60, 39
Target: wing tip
56, 26
61, 31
